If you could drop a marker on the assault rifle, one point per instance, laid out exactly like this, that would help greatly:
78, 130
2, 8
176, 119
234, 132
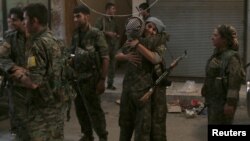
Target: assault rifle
146, 96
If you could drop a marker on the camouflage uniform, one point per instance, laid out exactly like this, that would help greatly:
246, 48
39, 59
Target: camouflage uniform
144, 118
224, 75
44, 63
107, 24
159, 101
89, 47
41, 107
12, 52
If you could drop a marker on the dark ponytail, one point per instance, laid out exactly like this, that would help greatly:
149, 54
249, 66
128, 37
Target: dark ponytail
229, 33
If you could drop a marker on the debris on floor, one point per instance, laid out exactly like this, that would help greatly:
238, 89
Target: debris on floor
189, 87
196, 107
190, 113
190, 108
174, 106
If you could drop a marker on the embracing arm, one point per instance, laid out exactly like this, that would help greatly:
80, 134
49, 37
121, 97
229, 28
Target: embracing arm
130, 57
152, 56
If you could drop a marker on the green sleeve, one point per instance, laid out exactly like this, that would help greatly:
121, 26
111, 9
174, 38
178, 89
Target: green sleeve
234, 71
102, 44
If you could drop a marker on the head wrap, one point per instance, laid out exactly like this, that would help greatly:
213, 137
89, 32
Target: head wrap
158, 23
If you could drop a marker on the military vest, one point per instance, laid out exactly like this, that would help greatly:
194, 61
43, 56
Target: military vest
86, 52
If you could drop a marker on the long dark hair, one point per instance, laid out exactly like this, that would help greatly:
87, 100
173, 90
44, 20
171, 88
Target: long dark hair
229, 33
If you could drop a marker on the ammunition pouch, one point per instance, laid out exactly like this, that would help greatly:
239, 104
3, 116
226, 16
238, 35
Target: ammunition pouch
86, 62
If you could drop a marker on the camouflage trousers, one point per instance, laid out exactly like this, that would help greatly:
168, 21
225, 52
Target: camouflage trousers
36, 121
112, 65
216, 112
146, 120
88, 110
18, 110
159, 114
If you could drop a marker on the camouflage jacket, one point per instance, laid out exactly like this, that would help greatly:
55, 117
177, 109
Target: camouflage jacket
140, 77
12, 50
224, 76
107, 24
43, 59
89, 47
